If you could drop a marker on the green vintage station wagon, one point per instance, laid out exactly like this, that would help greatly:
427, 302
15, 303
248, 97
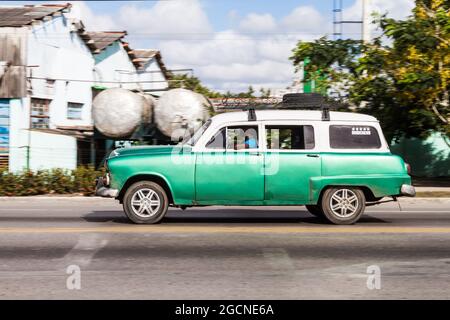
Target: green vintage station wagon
333, 166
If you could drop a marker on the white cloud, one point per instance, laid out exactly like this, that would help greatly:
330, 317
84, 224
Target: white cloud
262, 71
92, 21
305, 19
398, 9
255, 50
184, 16
225, 47
231, 57
258, 23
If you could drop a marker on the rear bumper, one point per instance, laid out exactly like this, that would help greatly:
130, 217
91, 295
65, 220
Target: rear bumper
103, 191
407, 190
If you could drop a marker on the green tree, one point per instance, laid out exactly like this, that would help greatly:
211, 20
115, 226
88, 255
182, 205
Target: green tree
401, 77
191, 83
265, 93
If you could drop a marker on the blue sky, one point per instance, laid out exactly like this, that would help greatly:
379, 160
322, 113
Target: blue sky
230, 44
217, 10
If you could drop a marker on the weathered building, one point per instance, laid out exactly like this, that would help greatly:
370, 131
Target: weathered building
119, 66
39, 46
50, 69
151, 71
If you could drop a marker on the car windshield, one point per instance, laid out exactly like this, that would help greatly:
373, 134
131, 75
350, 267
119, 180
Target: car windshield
197, 134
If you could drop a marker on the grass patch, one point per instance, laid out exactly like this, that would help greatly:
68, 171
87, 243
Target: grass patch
433, 194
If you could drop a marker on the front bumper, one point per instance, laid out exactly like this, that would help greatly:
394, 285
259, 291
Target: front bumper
103, 191
407, 190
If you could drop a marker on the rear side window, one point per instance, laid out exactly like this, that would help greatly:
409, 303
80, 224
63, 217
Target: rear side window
287, 137
354, 137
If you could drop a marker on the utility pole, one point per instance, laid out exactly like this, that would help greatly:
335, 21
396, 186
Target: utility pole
365, 30
339, 22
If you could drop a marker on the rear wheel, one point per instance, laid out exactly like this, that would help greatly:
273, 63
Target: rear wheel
343, 205
315, 210
145, 202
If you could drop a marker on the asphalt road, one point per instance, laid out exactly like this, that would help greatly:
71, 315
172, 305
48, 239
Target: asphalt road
221, 252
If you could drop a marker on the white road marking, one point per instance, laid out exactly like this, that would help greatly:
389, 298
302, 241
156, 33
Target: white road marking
85, 249
278, 258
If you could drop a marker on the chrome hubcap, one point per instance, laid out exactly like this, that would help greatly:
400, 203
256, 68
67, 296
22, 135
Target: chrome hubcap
145, 203
344, 203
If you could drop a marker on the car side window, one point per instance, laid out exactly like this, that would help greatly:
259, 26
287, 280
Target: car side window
354, 137
242, 137
235, 138
290, 137
217, 141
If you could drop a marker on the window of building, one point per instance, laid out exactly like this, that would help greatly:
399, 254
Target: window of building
74, 110
354, 137
290, 137
4, 133
235, 138
39, 116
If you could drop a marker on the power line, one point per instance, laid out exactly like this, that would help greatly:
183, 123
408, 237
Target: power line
101, 81
206, 36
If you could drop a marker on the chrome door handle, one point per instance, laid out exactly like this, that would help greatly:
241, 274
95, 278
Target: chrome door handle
312, 155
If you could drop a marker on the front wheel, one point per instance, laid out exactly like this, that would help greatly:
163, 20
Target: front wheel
343, 205
145, 202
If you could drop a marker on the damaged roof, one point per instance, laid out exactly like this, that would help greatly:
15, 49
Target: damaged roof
143, 56
98, 41
95, 41
26, 15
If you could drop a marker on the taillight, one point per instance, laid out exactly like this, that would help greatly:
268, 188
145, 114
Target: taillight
408, 168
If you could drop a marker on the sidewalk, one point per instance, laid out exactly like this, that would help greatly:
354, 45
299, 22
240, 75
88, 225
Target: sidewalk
432, 191
432, 187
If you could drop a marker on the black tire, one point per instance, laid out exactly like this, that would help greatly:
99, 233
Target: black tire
338, 214
151, 212
315, 210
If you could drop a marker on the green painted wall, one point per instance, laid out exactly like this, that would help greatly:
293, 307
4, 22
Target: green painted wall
428, 158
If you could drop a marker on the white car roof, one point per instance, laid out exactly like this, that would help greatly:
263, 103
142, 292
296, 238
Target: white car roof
265, 115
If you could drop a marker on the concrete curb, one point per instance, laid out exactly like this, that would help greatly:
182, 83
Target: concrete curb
56, 197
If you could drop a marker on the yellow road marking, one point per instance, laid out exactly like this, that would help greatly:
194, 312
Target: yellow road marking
226, 229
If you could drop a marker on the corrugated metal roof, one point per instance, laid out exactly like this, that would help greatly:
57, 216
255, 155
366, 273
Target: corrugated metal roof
97, 41
142, 56
22, 16
145, 53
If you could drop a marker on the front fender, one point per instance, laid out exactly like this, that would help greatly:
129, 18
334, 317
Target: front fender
179, 178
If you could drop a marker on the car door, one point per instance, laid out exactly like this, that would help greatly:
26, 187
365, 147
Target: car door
291, 161
229, 168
